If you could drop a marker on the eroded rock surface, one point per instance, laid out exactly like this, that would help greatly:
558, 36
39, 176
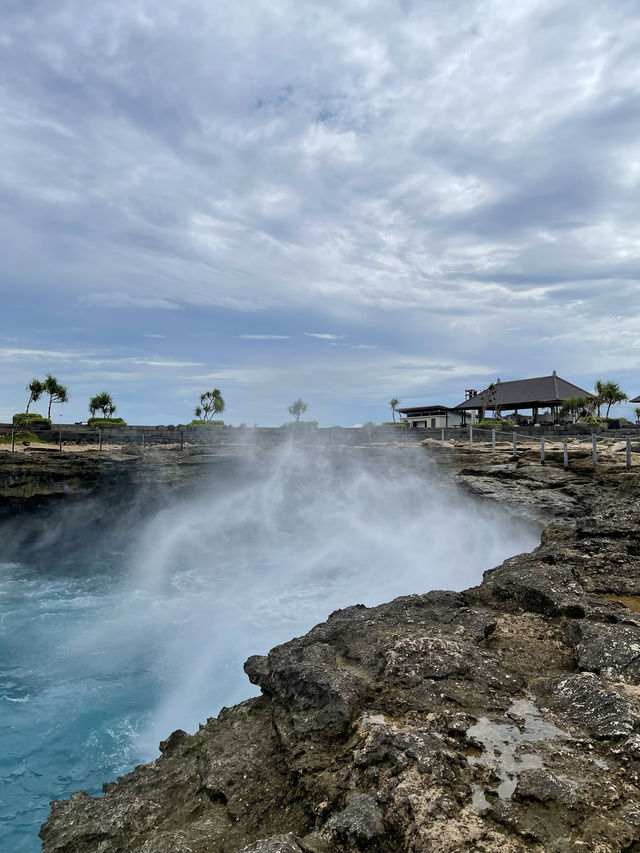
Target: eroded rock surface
505, 718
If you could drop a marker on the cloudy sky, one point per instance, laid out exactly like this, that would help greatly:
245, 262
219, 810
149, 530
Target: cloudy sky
343, 201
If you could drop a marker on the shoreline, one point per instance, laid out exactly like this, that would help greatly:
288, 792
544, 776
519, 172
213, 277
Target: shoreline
364, 734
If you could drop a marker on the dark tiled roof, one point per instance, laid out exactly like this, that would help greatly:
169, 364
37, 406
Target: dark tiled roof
635, 400
414, 410
523, 393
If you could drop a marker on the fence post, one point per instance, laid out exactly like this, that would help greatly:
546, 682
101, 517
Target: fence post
493, 441
542, 449
99, 439
515, 445
470, 438
628, 452
60, 441
13, 441
442, 439
594, 448
181, 439
565, 454
144, 441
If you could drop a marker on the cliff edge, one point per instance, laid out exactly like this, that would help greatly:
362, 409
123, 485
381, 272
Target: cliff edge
504, 718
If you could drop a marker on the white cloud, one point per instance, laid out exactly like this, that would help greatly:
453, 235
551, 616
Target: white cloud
264, 337
324, 336
125, 300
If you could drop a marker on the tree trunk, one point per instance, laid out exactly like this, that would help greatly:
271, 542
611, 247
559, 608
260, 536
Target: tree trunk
28, 404
393, 413
50, 401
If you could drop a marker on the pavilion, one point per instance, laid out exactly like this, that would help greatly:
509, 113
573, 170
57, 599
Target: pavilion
541, 392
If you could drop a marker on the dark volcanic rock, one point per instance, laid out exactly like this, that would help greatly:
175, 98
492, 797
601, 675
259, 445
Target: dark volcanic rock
536, 585
319, 694
360, 821
545, 786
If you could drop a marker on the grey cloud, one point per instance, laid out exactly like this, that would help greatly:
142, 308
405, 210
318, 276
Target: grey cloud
467, 162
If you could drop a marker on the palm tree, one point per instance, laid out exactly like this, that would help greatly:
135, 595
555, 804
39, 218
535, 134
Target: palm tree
393, 402
57, 392
35, 389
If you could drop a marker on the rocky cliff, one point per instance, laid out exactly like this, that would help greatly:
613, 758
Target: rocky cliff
502, 718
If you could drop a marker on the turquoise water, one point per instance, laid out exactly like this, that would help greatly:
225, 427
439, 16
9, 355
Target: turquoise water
102, 657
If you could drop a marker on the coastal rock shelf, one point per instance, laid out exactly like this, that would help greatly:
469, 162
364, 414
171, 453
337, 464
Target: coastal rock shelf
504, 718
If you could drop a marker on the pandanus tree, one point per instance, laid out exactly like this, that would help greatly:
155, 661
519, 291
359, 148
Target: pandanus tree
56, 392
211, 404
102, 402
393, 402
36, 390
609, 394
297, 408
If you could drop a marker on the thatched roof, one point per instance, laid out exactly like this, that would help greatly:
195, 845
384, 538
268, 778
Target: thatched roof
525, 394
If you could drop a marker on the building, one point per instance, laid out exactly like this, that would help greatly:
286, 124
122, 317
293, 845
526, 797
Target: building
635, 400
542, 392
434, 417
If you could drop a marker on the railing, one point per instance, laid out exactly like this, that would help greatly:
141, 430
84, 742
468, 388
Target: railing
483, 434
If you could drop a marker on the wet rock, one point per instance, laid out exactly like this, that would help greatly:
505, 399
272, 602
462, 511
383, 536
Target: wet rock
320, 695
536, 586
543, 785
612, 650
591, 704
361, 820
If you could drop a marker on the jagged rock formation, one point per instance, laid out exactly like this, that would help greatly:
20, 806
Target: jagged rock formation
505, 718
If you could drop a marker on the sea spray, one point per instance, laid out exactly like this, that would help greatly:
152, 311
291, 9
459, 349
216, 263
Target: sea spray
111, 652
249, 565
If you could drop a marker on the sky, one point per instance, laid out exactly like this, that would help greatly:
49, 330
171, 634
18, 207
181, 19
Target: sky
343, 200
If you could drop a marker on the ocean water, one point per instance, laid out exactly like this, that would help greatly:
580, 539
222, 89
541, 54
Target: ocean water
103, 654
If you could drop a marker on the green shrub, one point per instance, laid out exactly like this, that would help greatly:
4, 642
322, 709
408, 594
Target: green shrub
106, 422
206, 423
21, 435
30, 419
492, 424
